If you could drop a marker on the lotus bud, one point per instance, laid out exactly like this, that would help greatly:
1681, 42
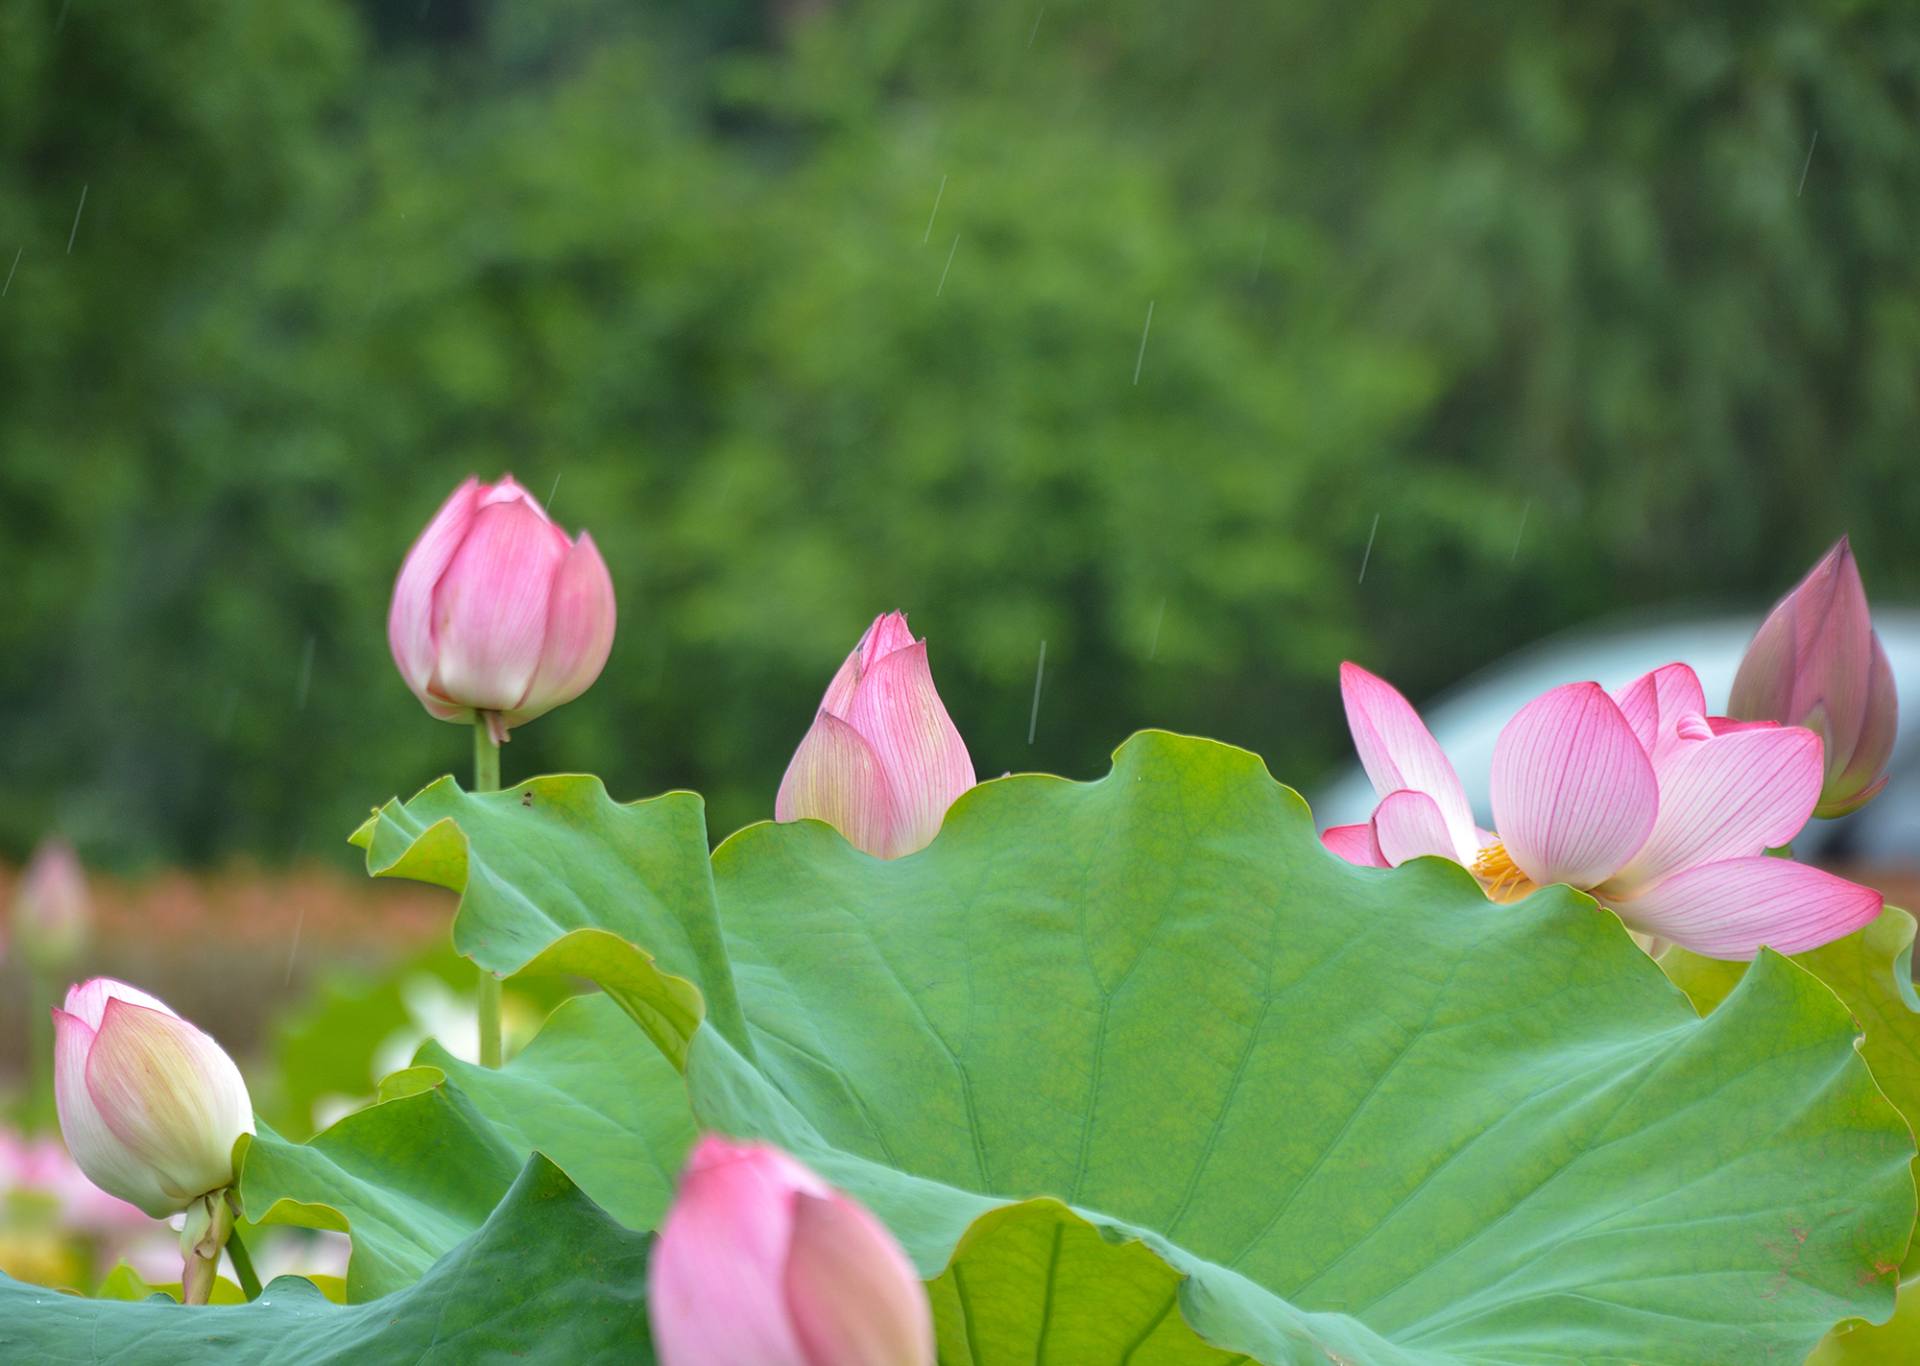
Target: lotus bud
761, 1263
1817, 662
51, 910
497, 614
882, 761
150, 1106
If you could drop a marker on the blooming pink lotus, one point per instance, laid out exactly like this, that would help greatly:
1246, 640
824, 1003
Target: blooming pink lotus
1817, 662
497, 613
882, 761
1663, 814
761, 1263
150, 1106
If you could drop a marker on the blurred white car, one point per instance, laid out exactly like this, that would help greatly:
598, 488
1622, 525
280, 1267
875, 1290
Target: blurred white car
1467, 719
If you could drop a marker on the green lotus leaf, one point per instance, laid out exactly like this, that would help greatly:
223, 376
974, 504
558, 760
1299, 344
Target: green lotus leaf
412, 1175
570, 883
1354, 1114
547, 1276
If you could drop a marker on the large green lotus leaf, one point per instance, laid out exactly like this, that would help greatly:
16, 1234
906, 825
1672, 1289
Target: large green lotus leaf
571, 882
548, 1276
412, 1175
1871, 970
1365, 1115
325, 1050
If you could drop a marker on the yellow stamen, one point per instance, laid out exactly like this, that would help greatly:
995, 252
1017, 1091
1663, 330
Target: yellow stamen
1501, 875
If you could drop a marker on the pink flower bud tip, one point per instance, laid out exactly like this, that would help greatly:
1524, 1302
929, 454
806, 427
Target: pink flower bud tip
150, 1106
1817, 662
761, 1263
496, 612
882, 761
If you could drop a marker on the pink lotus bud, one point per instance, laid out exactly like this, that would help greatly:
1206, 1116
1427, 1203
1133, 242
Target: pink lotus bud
51, 910
761, 1263
150, 1106
496, 612
882, 761
1816, 662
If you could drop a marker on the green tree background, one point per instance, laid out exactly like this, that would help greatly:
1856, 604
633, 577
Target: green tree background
1538, 285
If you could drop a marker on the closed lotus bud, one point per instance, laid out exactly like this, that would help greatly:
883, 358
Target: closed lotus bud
882, 761
51, 910
1817, 662
150, 1106
761, 1263
497, 613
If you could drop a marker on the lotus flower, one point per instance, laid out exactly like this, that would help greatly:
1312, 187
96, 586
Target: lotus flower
1662, 813
51, 910
882, 761
496, 613
150, 1106
761, 1263
1817, 662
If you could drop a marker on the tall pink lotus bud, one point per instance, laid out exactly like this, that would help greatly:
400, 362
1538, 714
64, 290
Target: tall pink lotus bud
882, 761
150, 1106
761, 1263
51, 909
497, 613
1817, 662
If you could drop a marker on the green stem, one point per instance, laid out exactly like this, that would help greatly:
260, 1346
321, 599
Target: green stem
486, 758
243, 1265
486, 778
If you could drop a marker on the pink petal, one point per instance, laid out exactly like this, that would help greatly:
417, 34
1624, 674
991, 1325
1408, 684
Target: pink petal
580, 621
1811, 661
854, 1297
1408, 824
716, 1293
837, 777
1355, 844
88, 1000
106, 1161
1726, 725
1855, 778
899, 712
888, 633
1664, 708
884, 634
171, 1096
1398, 751
490, 611
1833, 643
839, 696
410, 617
1733, 796
510, 490
1730, 909
1574, 795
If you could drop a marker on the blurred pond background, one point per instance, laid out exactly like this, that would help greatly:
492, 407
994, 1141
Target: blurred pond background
1201, 346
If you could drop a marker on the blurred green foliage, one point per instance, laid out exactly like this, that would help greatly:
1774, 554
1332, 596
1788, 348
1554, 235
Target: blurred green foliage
1538, 285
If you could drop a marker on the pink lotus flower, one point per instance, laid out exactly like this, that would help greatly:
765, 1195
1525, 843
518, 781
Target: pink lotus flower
882, 761
1661, 813
51, 909
1817, 662
496, 613
761, 1263
150, 1106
